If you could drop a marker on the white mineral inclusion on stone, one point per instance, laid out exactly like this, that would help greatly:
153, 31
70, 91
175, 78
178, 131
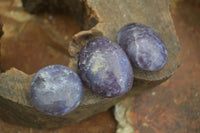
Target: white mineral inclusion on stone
117, 70
105, 68
144, 46
56, 90
98, 62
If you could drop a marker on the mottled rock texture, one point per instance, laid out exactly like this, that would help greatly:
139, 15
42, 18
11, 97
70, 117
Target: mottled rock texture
105, 68
56, 90
143, 45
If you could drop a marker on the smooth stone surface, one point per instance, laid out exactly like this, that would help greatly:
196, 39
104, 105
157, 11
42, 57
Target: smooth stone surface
105, 68
143, 46
56, 90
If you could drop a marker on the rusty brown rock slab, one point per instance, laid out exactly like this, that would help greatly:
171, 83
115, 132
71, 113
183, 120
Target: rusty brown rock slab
29, 51
30, 42
174, 106
23, 31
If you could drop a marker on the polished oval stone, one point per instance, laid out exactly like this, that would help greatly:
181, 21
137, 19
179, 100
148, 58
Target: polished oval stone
143, 46
56, 90
105, 68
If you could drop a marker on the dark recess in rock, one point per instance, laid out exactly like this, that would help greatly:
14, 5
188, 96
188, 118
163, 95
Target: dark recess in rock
82, 12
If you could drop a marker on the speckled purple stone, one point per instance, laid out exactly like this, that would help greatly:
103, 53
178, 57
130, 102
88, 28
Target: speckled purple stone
105, 68
143, 46
56, 90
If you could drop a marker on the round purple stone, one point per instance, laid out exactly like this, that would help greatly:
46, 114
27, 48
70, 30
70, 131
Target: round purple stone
105, 68
56, 90
143, 46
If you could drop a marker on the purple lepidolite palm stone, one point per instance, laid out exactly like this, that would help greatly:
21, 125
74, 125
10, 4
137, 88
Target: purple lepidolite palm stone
56, 90
143, 46
105, 68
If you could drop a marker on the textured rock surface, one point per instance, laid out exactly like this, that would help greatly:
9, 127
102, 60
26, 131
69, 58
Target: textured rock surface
105, 68
56, 90
174, 106
38, 41
143, 46
101, 123
1, 32
120, 113
30, 31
